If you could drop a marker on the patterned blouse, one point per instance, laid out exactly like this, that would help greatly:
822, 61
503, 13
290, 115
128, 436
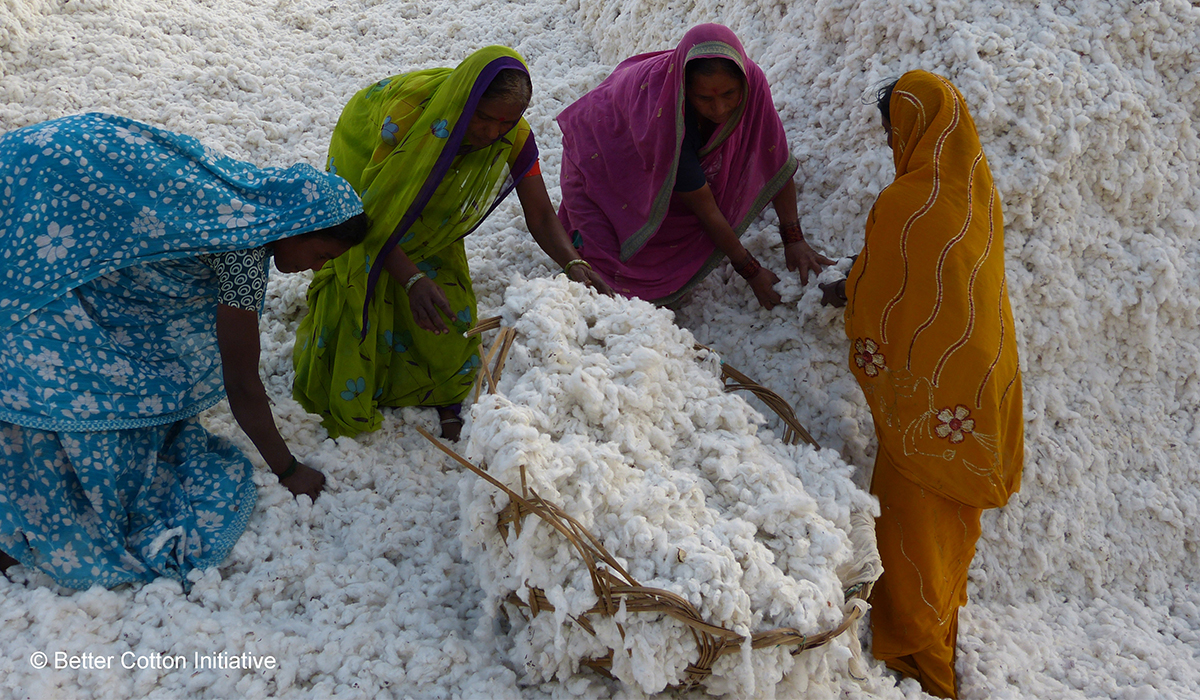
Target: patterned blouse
241, 277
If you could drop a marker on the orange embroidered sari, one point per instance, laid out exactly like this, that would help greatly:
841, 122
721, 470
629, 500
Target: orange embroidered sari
934, 349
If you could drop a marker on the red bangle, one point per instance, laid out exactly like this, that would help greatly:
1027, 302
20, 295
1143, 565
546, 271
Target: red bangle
791, 233
749, 268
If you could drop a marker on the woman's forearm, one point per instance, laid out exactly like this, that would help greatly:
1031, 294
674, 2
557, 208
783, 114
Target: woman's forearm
399, 265
785, 204
702, 203
237, 338
543, 221
252, 411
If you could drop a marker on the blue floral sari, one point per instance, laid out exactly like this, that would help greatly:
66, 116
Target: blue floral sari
108, 347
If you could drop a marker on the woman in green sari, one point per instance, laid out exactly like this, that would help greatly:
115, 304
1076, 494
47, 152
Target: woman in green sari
432, 153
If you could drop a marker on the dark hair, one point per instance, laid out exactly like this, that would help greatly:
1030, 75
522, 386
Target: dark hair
510, 85
711, 66
883, 99
351, 232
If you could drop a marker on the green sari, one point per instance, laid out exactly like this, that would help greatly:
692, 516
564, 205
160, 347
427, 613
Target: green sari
397, 143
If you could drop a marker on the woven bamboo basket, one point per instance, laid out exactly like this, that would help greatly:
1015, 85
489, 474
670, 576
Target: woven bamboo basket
612, 584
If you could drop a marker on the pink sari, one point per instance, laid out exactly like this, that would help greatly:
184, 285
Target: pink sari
621, 145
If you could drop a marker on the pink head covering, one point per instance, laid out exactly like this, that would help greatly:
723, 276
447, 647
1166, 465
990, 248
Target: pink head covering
621, 145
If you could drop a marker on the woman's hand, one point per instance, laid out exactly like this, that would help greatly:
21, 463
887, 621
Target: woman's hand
833, 293
305, 481
585, 275
763, 285
237, 339
803, 259
426, 299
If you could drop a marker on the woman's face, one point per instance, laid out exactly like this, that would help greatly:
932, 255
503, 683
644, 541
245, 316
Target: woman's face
306, 252
887, 129
716, 96
491, 120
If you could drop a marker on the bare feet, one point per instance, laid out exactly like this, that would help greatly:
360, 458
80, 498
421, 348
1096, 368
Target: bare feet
451, 423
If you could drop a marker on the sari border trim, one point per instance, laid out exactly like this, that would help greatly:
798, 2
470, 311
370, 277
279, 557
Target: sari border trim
766, 195
81, 426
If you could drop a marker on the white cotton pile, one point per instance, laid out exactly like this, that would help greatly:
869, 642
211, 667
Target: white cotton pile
606, 409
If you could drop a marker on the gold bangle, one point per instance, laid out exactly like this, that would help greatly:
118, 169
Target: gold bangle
413, 280
572, 263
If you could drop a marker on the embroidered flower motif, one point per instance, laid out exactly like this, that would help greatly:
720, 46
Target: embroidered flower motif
377, 87
53, 245
41, 136
118, 371
396, 342
470, 365
354, 388
84, 406
16, 399
439, 128
64, 558
175, 372
462, 320
180, 327
147, 223
955, 423
430, 267
151, 405
310, 191
75, 316
34, 506
45, 363
132, 136
236, 214
867, 356
389, 131
12, 441
209, 520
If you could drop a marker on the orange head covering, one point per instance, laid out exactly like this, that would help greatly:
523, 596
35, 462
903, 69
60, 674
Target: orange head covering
928, 312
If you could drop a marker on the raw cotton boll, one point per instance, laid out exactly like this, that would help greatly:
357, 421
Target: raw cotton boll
614, 416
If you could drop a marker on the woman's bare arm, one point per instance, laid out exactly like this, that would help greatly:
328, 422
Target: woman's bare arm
237, 339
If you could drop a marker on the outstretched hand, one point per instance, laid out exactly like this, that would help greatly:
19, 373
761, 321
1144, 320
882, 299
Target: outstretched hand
305, 481
803, 259
763, 285
588, 276
426, 299
833, 293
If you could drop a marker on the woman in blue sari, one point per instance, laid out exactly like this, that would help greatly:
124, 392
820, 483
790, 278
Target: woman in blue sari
133, 264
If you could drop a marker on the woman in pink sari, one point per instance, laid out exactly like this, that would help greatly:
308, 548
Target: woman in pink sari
667, 162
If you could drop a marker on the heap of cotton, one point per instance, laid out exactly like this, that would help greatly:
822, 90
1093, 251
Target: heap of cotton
620, 421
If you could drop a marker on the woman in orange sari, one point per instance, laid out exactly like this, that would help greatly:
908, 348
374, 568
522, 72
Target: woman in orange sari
935, 352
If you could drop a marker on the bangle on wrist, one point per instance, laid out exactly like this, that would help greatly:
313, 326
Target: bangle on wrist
573, 263
413, 280
749, 267
290, 470
791, 233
